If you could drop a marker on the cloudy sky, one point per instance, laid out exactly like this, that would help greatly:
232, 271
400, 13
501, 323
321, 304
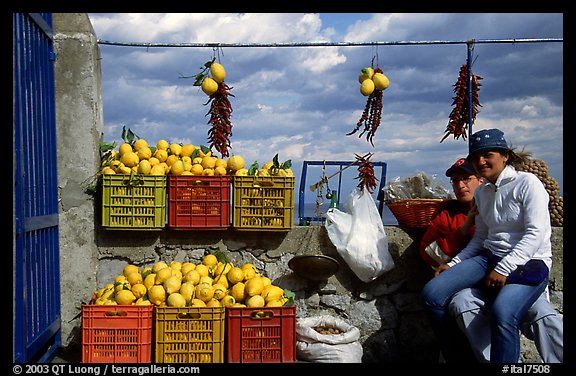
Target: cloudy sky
300, 102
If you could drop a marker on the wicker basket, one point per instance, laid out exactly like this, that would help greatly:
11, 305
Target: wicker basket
416, 213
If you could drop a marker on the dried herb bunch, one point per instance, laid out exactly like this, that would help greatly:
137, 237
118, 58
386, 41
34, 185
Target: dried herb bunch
459, 119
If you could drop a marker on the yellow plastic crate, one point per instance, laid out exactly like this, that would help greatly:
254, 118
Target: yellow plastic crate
263, 203
133, 202
189, 334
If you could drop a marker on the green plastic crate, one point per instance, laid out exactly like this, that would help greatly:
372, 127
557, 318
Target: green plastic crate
133, 202
263, 203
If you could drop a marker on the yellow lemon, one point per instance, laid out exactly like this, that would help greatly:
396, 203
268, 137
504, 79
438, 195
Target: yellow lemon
175, 300
172, 284
254, 286
175, 149
162, 145
368, 72
175, 265
157, 170
249, 271
161, 155
153, 161
107, 170
142, 301
120, 278
144, 153
124, 297
130, 159
172, 159
222, 280
255, 301
235, 275
134, 278
236, 163
221, 162
206, 279
140, 144
157, 294
124, 170
272, 292
149, 280
241, 172
187, 290
202, 270
218, 72
381, 82
266, 281
204, 292
277, 302
210, 260
223, 268
129, 269
144, 167
227, 301
159, 266
238, 291
139, 290
124, 148
192, 276
238, 305
219, 291
186, 267
209, 86
213, 303
162, 275
197, 303
367, 87
208, 172
218, 171
209, 162
196, 169
187, 150
177, 168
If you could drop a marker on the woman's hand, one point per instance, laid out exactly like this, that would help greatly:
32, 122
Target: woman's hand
495, 279
440, 269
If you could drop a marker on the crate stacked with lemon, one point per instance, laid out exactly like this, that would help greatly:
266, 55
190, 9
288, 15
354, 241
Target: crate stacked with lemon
197, 309
263, 198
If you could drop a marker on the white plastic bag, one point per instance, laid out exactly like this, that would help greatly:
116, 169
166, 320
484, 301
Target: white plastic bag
313, 346
359, 236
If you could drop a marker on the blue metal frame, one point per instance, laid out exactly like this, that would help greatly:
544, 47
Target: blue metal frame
37, 324
302, 219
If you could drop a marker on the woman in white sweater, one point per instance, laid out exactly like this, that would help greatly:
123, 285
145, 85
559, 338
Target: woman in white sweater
510, 254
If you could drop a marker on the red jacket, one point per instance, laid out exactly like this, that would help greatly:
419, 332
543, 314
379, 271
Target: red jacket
442, 240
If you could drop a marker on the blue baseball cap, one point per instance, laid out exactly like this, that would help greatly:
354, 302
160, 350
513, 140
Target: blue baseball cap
487, 140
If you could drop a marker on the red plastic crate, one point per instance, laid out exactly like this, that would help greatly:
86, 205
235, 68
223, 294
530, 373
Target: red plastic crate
117, 333
269, 337
198, 202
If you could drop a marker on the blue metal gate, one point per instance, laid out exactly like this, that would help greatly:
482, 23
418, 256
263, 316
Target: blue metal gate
37, 331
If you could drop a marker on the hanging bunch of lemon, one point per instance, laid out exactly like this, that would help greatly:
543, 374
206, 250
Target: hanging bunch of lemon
136, 156
371, 80
211, 283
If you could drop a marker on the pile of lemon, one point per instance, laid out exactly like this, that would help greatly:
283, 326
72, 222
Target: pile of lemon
210, 283
166, 158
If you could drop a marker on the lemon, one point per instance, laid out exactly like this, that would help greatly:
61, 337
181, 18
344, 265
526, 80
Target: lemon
162, 275
161, 155
202, 270
192, 276
196, 169
266, 281
238, 305
277, 302
218, 72
124, 297
157, 294
144, 167
175, 300
219, 291
186, 267
367, 87
204, 292
134, 278
120, 278
153, 161
175, 149
223, 268
249, 271
289, 172
210, 260
254, 286
124, 148
381, 82
255, 301
208, 172
209, 162
236, 163
209, 86
172, 284
241, 172
172, 158
177, 168
197, 303
149, 280
227, 301
213, 303
124, 285
157, 170
368, 71
218, 171
187, 290
268, 165
162, 145
129, 269
142, 301
139, 290
124, 170
107, 170
187, 150
272, 292
235, 275
238, 291
140, 144
206, 279
130, 159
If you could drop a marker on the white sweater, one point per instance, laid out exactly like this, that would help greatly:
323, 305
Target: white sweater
513, 221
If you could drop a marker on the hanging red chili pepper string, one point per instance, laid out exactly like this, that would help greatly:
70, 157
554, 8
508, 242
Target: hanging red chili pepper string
366, 176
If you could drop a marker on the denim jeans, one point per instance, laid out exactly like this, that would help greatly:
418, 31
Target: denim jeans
511, 302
